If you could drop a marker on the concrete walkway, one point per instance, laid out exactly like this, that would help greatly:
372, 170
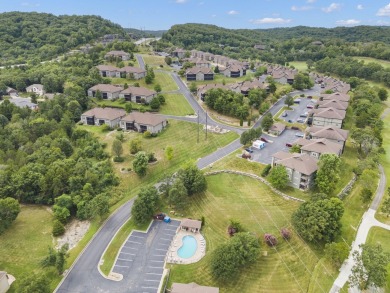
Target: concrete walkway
368, 221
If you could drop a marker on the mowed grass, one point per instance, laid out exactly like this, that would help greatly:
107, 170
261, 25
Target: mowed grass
300, 65
381, 236
155, 61
384, 63
220, 78
176, 104
288, 268
26, 242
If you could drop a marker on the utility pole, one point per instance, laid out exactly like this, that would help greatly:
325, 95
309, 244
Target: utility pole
198, 128
206, 125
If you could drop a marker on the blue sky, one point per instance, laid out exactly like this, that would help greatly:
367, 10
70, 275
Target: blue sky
162, 14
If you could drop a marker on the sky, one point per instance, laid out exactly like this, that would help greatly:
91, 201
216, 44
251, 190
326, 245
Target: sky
162, 14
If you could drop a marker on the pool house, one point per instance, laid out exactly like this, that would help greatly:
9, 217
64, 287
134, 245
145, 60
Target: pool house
191, 225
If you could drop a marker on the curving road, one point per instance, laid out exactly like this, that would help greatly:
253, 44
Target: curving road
368, 221
83, 276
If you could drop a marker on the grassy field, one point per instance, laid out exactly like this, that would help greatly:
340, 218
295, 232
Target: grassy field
155, 61
300, 65
176, 104
113, 249
26, 242
384, 63
285, 269
220, 78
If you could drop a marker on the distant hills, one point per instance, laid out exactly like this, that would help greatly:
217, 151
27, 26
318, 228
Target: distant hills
145, 33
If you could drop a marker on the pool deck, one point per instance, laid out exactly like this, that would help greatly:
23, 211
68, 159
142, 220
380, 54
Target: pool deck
172, 255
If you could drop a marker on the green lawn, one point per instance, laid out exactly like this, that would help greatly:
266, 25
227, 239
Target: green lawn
176, 104
119, 104
288, 268
384, 63
381, 236
300, 65
26, 242
155, 61
220, 78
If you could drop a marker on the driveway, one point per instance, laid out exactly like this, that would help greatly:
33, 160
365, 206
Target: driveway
297, 110
264, 155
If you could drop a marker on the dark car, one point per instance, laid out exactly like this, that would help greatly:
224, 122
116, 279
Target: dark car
309, 97
289, 145
159, 216
294, 128
263, 139
249, 150
284, 114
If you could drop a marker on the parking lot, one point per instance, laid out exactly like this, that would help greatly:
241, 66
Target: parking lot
141, 258
279, 144
298, 109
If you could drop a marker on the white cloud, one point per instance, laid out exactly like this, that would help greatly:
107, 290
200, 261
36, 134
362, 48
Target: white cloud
384, 11
232, 12
359, 7
180, 1
270, 20
300, 8
331, 7
311, 1
348, 22
29, 4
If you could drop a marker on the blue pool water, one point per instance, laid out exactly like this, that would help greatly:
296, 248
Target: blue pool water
188, 248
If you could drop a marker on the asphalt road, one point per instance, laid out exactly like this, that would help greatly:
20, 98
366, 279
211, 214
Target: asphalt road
140, 61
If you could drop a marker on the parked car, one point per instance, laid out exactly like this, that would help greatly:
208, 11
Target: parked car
294, 128
289, 121
249, 150
297, 101
301, 120
299, 134
263, 139
309, 97
159, 216
284, 114
289, 145
310, 106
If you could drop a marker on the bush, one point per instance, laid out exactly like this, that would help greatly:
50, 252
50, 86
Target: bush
118, 159
105, 128
58, 228
147, 134
286, 234
151, 158
270, 239
266, 170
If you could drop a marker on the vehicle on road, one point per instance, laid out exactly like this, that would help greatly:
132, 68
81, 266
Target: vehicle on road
297, 101
249, 150
310, 106
309, 97
289, 121
263, 139
289, 145
299, 134
301, 120
284, 114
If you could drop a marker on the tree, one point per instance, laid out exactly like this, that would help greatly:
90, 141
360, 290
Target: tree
319, 219
193, 87
178, 195
62, 255
289, 101
328, 173
366, 195
270, 239
148, 79
117, 149
216, 69
272, 87
286, 233
157, 88
278, 177
140, 163
302, 81
58, 228
145, 205
169, 153
168, 60
9, 210
61, 213
3, 121
228, 258
193, 179
135, 146
234, 227
155, 103
386, 206
267, 122
336, 253
98, 95
370, 269
382, 94
128, 107
34, 283
295, 149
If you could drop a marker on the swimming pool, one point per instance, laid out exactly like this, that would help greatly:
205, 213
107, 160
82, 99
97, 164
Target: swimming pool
188, 248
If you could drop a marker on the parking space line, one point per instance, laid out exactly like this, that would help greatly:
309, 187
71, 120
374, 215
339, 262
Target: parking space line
127, 253
160, 249
121, 266
124, 259
154, 274
130, 247
167, 229
134, 242
158, 254
137, 236
157, 260
155, 267
152, 280
166, 239
149, 287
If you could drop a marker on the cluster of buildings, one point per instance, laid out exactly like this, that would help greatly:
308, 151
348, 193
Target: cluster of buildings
134, 121
281, 74
124, 72
121, 55
130, 94
324, 136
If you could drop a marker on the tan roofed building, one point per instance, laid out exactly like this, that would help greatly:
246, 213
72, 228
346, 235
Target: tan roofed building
317, 147
192, 288
117, 54
100, 116
301, 168
234, 70
327, 117
137, 94
192, 225
107, 91
336, 104
199, 73
142, 122
342, 97
277, 128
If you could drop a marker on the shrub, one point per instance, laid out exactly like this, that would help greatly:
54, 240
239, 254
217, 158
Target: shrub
270, 239
105, 128
118, 159
266, 170
151, 158
246, 156
286, 234
58, 228
147, 134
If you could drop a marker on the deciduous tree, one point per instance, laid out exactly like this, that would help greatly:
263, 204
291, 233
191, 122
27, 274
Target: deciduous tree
328, 173
9, 210
140, 163
145, 205
336, 253
278, 177
193, 179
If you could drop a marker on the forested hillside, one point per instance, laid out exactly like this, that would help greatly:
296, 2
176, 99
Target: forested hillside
145, 33
42, 36
283, 44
